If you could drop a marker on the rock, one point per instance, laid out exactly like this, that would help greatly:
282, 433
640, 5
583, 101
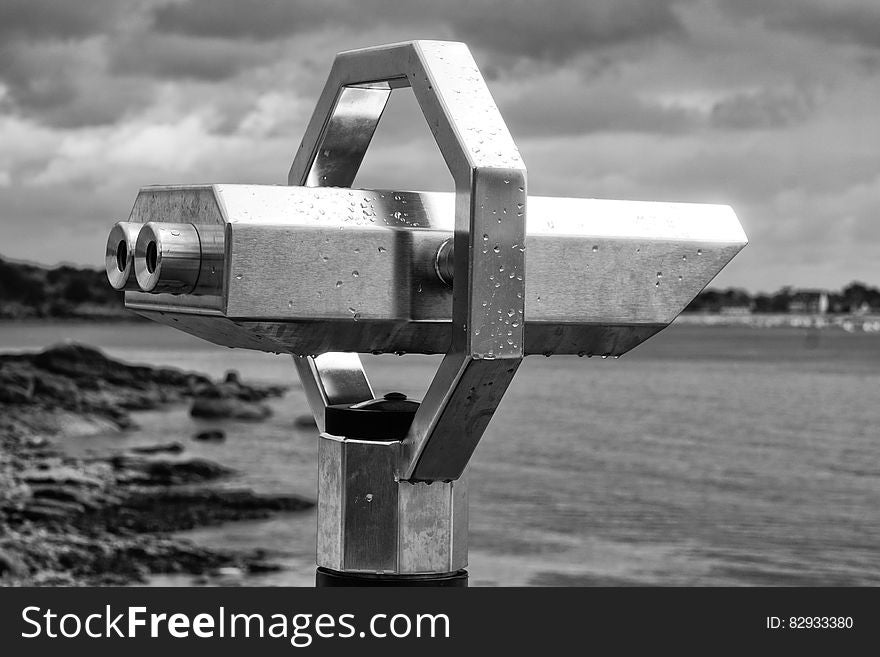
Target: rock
156, 472
72, 494
174, 509
11, 565
105, 520
229, 408
232, 388
89, 365
57, 389
60, 475
78, 361
49, 505
210, 391
211, 436
260, 567
305, 422
16, 385
168, 448
46, 512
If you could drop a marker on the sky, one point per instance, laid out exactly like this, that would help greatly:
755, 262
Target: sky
770, 106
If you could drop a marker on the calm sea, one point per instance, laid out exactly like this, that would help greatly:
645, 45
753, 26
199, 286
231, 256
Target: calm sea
707, 456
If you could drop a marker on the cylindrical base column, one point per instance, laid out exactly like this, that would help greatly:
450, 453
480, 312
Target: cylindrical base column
324, 577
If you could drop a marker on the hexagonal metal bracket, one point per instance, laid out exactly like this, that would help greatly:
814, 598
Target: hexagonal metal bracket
490, 215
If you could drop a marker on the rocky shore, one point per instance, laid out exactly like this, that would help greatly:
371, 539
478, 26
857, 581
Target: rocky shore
110, 519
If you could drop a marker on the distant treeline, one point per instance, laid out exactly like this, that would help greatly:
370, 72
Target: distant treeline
854, 298
30, 291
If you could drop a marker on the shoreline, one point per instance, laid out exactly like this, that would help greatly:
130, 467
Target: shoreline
849, 323
111, 519
868, 322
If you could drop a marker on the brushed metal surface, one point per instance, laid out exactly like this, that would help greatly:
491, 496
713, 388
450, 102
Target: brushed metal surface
370, 514
179, 258
119, 255
342, 381
167, 257
592, 284
346, 136
371, 522
196, 204
490, 184
331, 491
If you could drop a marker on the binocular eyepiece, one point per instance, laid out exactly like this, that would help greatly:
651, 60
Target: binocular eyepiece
176, 258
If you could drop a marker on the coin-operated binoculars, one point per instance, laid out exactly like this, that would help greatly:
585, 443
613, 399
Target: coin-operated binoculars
486, 276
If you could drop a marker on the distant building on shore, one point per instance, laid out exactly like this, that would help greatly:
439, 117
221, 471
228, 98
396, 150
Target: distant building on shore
809, 302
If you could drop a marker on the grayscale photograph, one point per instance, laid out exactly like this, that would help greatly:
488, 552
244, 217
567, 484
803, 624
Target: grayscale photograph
571, 293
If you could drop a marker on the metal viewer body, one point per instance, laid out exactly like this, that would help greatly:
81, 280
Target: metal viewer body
485, 276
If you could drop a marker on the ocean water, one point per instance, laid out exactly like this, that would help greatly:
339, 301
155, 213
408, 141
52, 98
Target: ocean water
707, 456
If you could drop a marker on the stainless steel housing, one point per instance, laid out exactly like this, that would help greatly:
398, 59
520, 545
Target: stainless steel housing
119, 255
306, 271
485, 276
371, 522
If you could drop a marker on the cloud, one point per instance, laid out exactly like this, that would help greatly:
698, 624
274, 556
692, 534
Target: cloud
63, 20
768, 106
179, 57
587, 106
847, 22
763, 108
553, 30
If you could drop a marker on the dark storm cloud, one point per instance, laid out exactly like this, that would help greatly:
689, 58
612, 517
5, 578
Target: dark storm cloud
75, 64
575, 113
552, 30
178, 57
766, 108
64, 84
855, 24
56, 18
840, 21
